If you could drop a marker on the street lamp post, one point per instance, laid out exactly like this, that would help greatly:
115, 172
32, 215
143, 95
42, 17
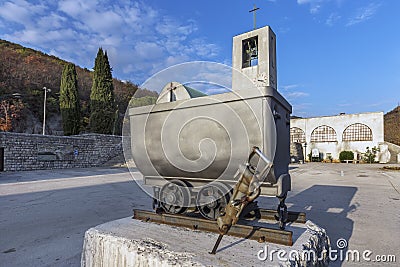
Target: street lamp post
46, 90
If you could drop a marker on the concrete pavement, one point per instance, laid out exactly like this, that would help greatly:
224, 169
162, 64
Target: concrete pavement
356, 202
44, 214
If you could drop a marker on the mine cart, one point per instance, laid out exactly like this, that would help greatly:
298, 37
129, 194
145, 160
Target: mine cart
189, 145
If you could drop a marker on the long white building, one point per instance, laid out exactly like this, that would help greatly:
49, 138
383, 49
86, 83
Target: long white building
333, 134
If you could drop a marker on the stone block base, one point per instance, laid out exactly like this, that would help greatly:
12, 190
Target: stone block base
129, 242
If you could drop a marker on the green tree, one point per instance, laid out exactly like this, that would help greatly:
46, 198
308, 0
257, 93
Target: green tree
102, 102
370, 154
69, 101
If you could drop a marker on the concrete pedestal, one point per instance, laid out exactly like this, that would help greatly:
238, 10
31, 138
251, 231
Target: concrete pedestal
129, 242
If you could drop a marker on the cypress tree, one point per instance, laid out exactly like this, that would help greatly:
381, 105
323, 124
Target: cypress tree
69, 101
102, 102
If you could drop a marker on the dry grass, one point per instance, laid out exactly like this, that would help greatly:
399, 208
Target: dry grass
392, 168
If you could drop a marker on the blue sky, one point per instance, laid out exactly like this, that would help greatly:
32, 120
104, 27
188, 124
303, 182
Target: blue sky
333, 55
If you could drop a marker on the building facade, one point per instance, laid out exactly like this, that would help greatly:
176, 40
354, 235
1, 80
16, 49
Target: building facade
329, 135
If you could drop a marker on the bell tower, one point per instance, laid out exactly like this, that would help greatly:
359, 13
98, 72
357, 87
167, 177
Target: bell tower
254, 55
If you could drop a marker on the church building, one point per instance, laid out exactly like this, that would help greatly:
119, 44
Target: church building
329, 135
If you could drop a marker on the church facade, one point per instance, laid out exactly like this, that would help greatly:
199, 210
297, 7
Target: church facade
329, 135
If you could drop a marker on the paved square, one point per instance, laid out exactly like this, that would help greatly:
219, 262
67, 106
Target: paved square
44, 214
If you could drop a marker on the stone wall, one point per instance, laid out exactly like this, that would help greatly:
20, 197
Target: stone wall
394, 152
38, 152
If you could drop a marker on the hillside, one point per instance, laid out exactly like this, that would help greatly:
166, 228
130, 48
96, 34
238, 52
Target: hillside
27, 71
392, 126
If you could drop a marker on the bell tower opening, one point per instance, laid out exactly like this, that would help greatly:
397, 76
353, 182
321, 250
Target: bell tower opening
250, 52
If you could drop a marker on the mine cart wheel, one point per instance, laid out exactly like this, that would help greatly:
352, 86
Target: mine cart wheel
212, 199
175, 197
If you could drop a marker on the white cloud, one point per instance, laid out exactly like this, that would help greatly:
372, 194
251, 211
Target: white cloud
302, 109
170, 27
346, 104
139, 39
296, 94
204, 49
301, 2
378, 104
291, 91
52, 21
74, 8
315, 5
20, 11
332, 19
289, 87
363, 14
315, 9
148, 50
105, 22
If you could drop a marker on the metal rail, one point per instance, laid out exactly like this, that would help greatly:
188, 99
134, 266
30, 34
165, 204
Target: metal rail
247, 230
293, 216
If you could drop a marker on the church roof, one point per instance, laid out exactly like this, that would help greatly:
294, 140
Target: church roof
193, 92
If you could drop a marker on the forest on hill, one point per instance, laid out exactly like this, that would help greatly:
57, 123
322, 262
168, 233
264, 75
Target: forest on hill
26, 71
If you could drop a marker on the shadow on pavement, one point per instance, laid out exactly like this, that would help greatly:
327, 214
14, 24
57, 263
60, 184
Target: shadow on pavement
328, 207
39, 175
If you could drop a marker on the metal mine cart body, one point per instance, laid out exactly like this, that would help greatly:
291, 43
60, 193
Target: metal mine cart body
192, 140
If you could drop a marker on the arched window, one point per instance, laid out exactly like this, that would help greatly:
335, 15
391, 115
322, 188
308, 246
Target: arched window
357, 132
297, 135
323, 134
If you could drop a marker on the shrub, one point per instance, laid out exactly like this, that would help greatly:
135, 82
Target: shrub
370, 154
346, 155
